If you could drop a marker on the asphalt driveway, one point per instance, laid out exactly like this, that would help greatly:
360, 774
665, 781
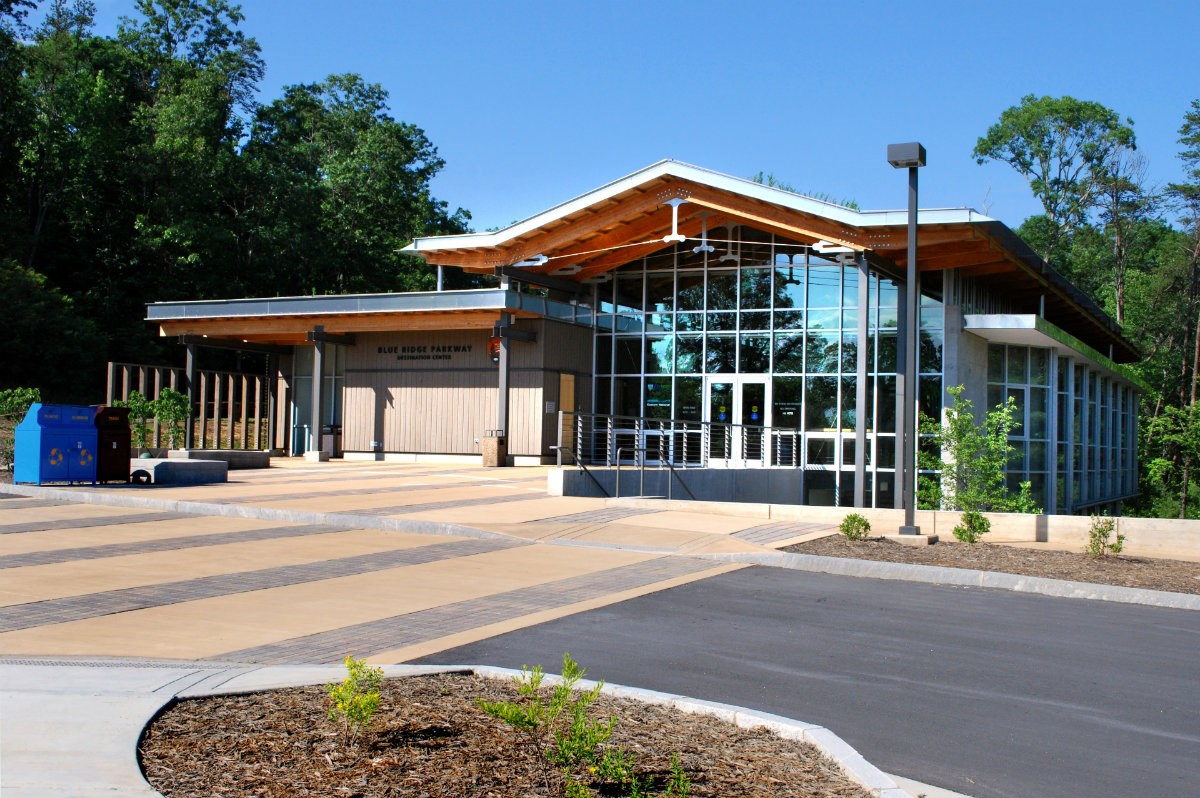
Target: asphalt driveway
989, 693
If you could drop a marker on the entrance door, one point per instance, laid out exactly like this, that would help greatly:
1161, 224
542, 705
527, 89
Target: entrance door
737, 411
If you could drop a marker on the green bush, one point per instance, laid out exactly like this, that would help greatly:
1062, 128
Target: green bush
572, 747
14, 403
141, 410
1100, 537
976, 457
355, 699
855, 527
972, 527
172, 408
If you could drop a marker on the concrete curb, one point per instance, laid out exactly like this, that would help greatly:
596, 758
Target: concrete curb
340, 520
939, 575
849, 760
116, 701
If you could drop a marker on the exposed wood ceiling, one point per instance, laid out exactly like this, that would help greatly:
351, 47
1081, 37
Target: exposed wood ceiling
627, 226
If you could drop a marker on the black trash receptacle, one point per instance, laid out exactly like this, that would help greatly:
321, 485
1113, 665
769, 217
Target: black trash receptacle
113, 444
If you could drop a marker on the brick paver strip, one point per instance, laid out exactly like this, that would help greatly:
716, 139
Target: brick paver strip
407, 509
80, 523
594, 516
317, 494
160, 544
780, 530
11, 502
373, 637
275, 480
93, 605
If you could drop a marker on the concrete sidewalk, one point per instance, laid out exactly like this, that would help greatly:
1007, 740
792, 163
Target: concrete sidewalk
305, 562
72, 728
302, 564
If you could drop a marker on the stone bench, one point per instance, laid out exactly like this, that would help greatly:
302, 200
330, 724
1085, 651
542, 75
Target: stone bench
236, 458
178, 471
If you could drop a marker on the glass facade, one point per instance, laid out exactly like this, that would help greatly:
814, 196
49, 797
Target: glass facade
762, 331
768, 332
1077, 444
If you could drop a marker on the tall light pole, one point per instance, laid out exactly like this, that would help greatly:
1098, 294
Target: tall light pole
909, 156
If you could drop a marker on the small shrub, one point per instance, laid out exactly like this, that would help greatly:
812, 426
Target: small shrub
355, 699
855, 527
14, 403
571, 746
141, 410
1100, 537
171, 408
678, 783
972, 527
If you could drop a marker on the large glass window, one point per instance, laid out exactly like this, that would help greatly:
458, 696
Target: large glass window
673, 324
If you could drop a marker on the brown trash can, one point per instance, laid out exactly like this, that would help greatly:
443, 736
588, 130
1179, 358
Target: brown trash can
494, 448
113, 444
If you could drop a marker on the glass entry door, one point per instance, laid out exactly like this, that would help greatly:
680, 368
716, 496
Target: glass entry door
737, 410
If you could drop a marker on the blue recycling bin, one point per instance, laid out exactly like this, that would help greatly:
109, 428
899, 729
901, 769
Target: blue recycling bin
56, 443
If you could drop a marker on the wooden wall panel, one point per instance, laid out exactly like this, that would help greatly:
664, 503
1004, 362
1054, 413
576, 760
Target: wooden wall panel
567, 347
436, 392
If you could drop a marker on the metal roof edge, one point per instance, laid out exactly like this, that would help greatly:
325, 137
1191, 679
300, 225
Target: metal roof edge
1029, 321
319, 305
711, 178
1034, 263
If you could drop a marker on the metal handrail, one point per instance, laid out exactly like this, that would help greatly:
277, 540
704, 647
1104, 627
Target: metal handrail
682, 484
679, 438
642, 480
641, 470
582, 467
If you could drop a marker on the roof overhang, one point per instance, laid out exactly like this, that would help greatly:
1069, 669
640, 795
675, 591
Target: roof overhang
290, 320
1030, 330
633, 216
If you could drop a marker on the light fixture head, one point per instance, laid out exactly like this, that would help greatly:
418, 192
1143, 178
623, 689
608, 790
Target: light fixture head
905, 156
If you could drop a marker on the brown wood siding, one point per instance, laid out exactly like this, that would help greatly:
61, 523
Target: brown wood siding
524, 413
567, 347
424, 393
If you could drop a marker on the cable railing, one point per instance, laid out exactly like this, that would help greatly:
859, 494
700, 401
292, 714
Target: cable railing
604, 440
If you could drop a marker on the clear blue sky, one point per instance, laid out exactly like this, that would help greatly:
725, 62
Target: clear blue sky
532, 103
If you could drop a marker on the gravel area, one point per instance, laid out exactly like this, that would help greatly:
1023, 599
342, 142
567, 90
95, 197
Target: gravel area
430, 739
1175, 576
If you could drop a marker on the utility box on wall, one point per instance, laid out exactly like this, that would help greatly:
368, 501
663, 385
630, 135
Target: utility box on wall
56, 443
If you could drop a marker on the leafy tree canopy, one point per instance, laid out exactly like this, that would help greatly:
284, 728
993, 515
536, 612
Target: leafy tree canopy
1061, 146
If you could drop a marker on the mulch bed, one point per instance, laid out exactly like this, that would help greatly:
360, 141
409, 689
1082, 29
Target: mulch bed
1175, 576
430, 739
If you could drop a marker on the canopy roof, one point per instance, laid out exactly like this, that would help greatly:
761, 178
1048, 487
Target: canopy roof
634, 216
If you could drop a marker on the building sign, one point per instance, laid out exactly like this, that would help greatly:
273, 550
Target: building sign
425, 352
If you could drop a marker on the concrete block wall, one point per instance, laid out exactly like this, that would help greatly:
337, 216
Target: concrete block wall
748, 491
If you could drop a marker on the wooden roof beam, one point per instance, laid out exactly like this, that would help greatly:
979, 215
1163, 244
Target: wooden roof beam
772, 218
984, 269
648, 230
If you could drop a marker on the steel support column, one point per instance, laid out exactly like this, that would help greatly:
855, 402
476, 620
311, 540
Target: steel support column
272, 398
318, 379
912, 327
861, 398
503, 379
189, 430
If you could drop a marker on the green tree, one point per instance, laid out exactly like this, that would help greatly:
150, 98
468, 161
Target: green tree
973, 460
1184, 197
46, 341
337, 186
1063, 147
1171, 452
1123, 202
